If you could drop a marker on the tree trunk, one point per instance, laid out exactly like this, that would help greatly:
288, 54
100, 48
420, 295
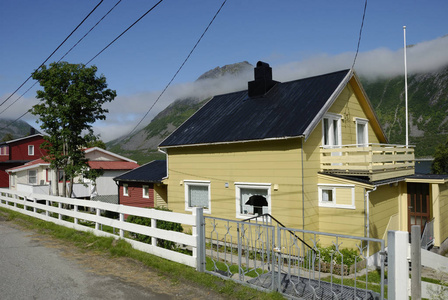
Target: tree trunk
64, 185
70, 191
56, 182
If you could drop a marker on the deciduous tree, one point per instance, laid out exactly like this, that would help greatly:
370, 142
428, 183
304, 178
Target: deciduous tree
71, 101
440, 163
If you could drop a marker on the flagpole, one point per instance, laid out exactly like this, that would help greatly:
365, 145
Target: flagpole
406, 87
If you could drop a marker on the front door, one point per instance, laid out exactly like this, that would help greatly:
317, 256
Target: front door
418, 204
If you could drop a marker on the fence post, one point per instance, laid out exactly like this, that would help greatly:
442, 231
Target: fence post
98, 214
153, 225
398, 267
59, 209
75, 219
416, 263
200, 238
47, 203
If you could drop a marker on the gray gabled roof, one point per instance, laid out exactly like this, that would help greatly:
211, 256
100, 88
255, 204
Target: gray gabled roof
289, 109
152, 172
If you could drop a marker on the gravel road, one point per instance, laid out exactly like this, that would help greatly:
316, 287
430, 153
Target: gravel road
35, 266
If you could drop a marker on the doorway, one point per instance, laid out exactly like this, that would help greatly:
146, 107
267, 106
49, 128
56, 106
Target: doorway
418, 205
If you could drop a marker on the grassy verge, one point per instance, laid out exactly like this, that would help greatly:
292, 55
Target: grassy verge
120, 248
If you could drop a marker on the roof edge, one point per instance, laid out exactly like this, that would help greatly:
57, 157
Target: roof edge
330, 101
231, 142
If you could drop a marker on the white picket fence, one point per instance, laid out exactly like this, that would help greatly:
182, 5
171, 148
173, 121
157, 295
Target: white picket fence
45, 207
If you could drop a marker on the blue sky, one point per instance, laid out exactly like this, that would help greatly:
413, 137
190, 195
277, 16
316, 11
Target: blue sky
297, 38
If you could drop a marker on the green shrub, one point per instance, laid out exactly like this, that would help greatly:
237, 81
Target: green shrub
329, 255
160, 224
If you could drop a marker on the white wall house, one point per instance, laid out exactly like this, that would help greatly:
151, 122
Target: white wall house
37, 177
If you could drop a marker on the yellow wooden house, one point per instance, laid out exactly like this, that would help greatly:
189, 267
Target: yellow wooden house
309, 152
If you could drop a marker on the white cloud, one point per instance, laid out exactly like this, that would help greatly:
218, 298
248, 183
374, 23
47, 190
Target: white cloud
126, 111
381, 62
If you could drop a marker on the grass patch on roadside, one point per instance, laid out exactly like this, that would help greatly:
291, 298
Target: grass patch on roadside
119, 248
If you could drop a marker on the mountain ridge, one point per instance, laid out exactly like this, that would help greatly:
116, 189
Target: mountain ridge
427, 101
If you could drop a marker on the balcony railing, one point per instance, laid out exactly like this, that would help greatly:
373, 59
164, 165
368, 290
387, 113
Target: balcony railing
377, 161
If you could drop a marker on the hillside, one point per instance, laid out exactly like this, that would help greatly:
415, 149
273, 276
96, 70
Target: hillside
142, 146
427, 102
18, 129
427, 105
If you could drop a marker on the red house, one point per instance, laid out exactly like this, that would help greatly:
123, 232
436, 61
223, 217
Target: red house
17, 152
142, 187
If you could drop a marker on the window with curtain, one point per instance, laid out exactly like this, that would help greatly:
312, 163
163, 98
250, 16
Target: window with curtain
252, 199
362, 136
197, 194
32, 176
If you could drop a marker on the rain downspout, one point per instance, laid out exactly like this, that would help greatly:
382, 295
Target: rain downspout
367, 209
166, 156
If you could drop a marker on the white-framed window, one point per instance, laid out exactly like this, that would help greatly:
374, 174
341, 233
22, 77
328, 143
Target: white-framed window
337, 195
331, 130
125, 189
4, 150
12, 179
30, 150
197, 194
32, 176
362, 133
145, 189
252, 199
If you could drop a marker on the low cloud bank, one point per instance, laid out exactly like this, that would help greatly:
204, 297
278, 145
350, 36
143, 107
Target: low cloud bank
126, 111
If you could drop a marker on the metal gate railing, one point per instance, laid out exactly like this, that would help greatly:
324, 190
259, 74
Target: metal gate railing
301, 264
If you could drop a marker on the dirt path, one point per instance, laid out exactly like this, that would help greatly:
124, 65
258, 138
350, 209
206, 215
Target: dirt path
124, 270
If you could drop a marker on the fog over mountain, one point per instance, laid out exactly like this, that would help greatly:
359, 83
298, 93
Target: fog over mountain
126, 111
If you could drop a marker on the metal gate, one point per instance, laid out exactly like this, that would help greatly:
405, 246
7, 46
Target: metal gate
301, 264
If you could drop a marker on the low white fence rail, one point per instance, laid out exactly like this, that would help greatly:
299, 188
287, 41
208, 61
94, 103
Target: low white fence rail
46, 207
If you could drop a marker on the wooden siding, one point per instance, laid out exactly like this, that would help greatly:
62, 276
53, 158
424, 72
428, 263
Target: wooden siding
99, 155
19, 150
443, 221
279, 163
273, 162
321, 218
105, 184
161, 195
343, 220
135, 195
383, 207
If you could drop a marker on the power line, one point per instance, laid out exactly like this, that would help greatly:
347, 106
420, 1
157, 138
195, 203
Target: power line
76, 44
4, 127
180, 68
155, 5
360, 33
54, 51
73, 47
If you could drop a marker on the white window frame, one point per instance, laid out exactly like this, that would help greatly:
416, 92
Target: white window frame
331, 118
334, 202
188, 184
145, 191
30, 150
250, 185
365, 123
32, 176
125, 189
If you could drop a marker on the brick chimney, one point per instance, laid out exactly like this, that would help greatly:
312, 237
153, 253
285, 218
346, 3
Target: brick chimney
263, 80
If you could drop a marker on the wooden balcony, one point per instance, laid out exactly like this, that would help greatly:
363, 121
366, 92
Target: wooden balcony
377, 161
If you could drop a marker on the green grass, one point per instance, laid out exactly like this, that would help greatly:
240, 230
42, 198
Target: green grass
373, 284
120, 248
